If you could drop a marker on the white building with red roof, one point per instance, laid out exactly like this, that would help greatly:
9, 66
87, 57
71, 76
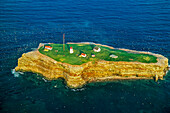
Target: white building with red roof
71, 50
48, 47
83, 55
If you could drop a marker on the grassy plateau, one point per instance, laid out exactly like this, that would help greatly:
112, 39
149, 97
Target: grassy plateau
59, 55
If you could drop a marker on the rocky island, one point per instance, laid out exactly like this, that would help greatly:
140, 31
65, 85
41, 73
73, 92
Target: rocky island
81, 63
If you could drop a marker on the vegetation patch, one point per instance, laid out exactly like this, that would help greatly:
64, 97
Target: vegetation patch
107, 54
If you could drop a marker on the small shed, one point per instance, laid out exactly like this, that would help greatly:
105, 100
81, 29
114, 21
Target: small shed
93, 55
96, 49
83, 55
48, 47
113, 56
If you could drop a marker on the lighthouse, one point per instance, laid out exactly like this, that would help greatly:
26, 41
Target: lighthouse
71, 50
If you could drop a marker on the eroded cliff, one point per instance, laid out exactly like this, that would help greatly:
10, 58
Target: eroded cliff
78, 75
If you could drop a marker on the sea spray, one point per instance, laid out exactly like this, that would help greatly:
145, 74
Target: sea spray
16, 74
44, 80
75, 89
79, 89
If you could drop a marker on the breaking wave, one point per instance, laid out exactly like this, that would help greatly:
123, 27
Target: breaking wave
16, 74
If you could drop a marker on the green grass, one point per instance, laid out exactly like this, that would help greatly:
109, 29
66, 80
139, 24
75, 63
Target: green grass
66, 57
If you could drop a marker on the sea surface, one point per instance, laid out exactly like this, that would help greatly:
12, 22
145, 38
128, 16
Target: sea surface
142, 25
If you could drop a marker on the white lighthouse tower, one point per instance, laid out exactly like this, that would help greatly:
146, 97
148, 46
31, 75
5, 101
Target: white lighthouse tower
71, 50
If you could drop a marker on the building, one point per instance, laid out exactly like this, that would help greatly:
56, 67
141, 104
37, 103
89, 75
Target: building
113, 56
96, 49
83, 55
71, 50
93, 55
47, 48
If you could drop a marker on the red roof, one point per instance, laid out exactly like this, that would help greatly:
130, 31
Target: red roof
48, 47
83, 54
71, 48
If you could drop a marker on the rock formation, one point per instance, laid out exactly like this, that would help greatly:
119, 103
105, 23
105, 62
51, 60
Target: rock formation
78, 75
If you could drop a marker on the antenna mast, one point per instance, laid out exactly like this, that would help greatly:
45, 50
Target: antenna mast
64, 42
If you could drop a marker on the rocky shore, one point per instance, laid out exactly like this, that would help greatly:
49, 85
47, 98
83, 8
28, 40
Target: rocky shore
78, 75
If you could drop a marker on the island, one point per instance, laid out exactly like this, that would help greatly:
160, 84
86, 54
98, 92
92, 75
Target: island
85, 62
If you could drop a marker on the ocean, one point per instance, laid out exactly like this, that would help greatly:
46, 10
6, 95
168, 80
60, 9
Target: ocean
142, 25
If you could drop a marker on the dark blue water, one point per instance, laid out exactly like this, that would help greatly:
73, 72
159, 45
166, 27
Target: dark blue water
133, 24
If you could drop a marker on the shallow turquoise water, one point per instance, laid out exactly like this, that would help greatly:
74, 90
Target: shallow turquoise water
140, 25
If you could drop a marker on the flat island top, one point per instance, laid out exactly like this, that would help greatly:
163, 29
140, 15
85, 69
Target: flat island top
83, 53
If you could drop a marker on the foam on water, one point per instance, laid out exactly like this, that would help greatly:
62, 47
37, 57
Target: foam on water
16, 74
79, 89
44, 80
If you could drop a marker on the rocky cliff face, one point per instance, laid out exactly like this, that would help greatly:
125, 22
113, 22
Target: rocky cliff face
78, 75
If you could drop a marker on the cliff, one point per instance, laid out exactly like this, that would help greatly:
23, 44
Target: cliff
78, 75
